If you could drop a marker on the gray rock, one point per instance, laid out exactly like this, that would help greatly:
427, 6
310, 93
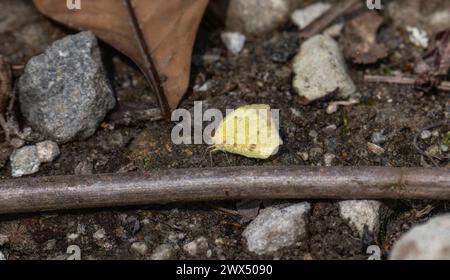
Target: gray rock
24, 161
139, 248
163, 252
378, 138
320, 69
64, 93
99, 234
430, 241
361, 214
276, 228
254, 17
196, 247
234, 41
2, 257
47, 151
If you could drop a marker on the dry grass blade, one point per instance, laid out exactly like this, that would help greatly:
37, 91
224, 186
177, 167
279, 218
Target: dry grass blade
5, 92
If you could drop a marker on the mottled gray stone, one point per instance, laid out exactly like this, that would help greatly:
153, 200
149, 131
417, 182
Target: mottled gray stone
429, 241
320, 70
361, 214
275, 228
47, 151
64, 93
24, 161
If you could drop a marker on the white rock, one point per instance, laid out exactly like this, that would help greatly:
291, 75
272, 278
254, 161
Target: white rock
303, 17
276, 228
99, 234
72, 236
2, 257
429, 241
257, 16
196, 247
47, 151
320, 69
335, 30
418, 37
163, 252
24, 161
361, 213
234, 41
139, 248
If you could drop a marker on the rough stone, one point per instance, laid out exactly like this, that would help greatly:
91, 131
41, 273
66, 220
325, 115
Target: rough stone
196, 247
64, 93
163, 252
429, 241
24, 161
303, 17
320, 70
361, 214
47, 151
139, 248
256, 16
234, 41
275, 228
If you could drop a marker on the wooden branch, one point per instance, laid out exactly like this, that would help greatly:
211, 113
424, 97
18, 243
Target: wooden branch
233, 183
444, 86
320, 24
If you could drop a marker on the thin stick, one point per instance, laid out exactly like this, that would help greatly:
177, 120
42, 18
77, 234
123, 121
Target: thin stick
444, 86
328, 18
213, 184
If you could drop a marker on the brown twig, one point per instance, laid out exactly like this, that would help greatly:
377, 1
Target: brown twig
232, 183
149, 70
444, 86
328, 18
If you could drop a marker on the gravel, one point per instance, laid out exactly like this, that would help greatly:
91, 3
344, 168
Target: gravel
163, 252
254, 17
275, 228
234, 41
64, 93
429, 241
361, 214
47, 151
24, 161
139, 248
196, 247
320, 70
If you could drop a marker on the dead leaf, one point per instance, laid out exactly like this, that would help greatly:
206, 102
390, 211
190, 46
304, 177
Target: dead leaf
157, 35
434, 66
360, 38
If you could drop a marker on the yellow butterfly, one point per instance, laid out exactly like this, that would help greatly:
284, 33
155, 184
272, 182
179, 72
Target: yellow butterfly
249, 131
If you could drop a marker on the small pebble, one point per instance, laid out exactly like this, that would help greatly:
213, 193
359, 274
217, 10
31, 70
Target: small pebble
47, 151
2, 257
50, 245
328, 159
99, 234
378, 138
139, 248
313, 134
303, 17
426, 134
234, 41
72, 236
196, 247
163, 252
24, 161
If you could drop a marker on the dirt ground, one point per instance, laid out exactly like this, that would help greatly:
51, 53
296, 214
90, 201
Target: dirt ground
260, 74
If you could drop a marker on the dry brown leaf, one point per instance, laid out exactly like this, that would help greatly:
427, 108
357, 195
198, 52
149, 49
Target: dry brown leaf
433, 68
158, 35
360, 38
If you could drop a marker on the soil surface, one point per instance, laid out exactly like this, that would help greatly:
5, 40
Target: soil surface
262, 73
